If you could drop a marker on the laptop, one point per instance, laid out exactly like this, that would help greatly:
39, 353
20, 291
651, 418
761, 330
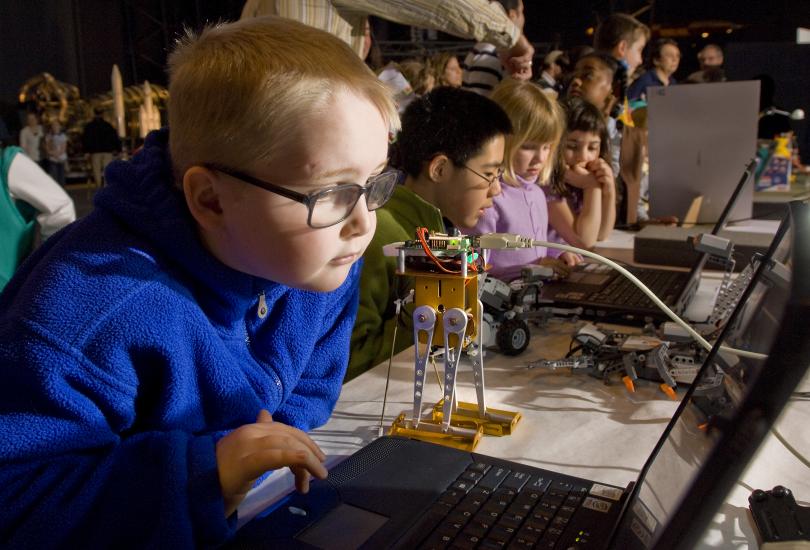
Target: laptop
403, 493
607, 296
695, 133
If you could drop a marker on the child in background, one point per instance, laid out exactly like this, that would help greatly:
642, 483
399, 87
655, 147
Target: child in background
451, 150
537, 123
28, 198
163, 352
623, 37
581, 205
592, 80
446, 70
56, 152
419, 74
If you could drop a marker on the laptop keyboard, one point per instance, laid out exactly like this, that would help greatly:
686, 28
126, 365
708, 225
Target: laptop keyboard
622, 292
494, 507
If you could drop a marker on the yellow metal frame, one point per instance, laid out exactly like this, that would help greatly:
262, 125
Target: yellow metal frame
443, 291
454, 438
496, 422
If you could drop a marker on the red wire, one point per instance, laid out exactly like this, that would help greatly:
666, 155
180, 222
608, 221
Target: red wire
421, 232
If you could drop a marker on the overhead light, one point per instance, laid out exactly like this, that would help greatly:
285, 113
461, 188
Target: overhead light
589, 31
704, 35
729, 31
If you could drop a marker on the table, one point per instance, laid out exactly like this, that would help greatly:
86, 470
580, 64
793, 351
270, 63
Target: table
772, 205
572, 423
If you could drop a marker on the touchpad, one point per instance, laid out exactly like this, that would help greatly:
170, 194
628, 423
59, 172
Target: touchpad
345, 527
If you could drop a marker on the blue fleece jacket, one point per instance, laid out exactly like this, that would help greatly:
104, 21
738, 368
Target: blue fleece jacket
127, 351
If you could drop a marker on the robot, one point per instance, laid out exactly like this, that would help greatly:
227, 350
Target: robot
509, 308
606, 353
447, 313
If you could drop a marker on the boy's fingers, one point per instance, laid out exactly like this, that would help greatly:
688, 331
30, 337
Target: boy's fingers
264, 416
301, 479
272, 459
278, 428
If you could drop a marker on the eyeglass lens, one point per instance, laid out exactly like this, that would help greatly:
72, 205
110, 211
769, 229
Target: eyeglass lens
336, 204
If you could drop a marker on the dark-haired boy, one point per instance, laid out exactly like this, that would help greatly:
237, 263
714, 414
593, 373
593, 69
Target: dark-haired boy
451, 150
592, 80
623, 37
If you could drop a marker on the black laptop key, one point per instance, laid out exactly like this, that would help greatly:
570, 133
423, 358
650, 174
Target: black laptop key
452, 496
494, 477
492, 544
469, 504
472, 476
521, 507
515, 481
520, 543
475, 530
451, 529
536, 526
466, 541
459, 516
501, 533
566, 511
463, 485
499, 501
479, 467
562, 486
550, 504
436, 542
538, 485
511, 520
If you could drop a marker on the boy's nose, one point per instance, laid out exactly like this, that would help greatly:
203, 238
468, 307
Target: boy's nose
359, 221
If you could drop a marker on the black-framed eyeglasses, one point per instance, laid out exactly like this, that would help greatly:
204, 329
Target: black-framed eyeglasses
328, 206
491, 180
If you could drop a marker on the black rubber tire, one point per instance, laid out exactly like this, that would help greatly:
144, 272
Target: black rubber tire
513, 337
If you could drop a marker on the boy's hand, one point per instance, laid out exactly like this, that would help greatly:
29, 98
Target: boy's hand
603, 173
250, 450
579, 176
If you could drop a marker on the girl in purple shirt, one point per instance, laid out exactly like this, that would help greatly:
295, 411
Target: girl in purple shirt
521, 208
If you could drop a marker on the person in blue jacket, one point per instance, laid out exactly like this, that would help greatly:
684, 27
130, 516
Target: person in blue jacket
163, 352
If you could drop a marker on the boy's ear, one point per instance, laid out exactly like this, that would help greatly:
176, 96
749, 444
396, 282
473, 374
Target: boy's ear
202, 196
620, 49
438, 168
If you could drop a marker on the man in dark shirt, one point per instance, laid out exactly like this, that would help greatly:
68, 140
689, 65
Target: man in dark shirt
100, 141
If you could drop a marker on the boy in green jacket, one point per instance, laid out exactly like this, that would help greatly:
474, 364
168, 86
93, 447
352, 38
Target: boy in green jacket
451, 150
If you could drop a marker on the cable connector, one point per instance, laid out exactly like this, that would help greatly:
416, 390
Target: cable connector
503, 241
714, 245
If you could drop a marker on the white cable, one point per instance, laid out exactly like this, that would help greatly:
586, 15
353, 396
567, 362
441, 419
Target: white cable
509, 240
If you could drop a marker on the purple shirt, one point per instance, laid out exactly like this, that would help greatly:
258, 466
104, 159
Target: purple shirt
575, 199
520, 210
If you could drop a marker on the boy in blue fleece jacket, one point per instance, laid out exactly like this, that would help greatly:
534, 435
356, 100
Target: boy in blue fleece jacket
165, 351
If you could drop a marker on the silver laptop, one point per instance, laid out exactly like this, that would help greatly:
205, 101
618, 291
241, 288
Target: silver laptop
696, 132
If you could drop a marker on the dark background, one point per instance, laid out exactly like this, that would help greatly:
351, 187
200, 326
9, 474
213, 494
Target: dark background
77, 41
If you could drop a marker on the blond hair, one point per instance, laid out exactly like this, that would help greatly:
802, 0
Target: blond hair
238, 90
535, 117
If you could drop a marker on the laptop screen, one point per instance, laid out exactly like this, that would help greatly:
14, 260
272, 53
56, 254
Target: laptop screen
668, 475
697, 268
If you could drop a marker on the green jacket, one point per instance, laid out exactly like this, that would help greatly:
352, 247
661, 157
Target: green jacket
17, 222
379, 286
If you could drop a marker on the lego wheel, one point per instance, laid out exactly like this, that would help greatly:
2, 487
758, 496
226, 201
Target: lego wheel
513, 336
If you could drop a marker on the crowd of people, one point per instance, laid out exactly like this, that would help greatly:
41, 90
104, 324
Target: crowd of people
164, 352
